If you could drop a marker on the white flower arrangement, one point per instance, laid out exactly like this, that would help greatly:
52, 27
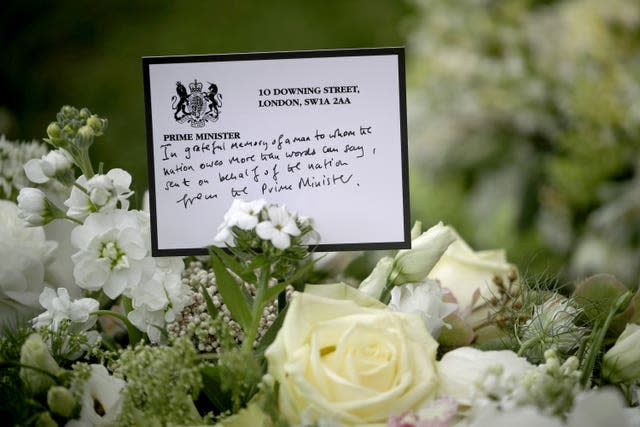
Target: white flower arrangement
435, 335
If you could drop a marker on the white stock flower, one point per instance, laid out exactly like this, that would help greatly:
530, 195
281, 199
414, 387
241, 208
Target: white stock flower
424, 299
25, 254
101, 401
241, 214
103, 193
279, 228
161, 299
34, 207
113, 252
52, 164
59, 307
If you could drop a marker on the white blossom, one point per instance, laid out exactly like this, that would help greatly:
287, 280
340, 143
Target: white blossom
113, 252
52, 164
279, 228
102, 193
59, 307
424, 299
101, 401
34, 207
25, 255
161, 299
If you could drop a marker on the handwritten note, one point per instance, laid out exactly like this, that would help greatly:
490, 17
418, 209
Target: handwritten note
323, 132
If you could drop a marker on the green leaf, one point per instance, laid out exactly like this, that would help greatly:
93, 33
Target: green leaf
212, 388
271, 333
213, 311
231, 293
243, 272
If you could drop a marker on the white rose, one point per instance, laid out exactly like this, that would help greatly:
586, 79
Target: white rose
345, 355
462, 368
465, 271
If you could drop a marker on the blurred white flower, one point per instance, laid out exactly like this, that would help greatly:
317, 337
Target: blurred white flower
35, 208
25, 254
279, 228
103, 193
374, 284
101, 401
621, 363
424, 299
13, 155
462, 368
54, 163
34, 352
113, 252
59, 307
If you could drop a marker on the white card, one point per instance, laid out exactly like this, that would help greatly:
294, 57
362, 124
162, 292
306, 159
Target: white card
323, 132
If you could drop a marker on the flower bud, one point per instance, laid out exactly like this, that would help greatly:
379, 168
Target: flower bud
413, 265
53, 130
85, 136
45, 420
35, 208
69, 111
620, 363
96, 123
61, 401
377, 280
84, 114
69, 131
35, 353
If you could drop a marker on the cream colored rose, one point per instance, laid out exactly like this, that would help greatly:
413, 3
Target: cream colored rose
345, 355
465, 271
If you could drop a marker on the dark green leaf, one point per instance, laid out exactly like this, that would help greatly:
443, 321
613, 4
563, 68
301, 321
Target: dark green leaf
213, 311
271, 333
243, 272
231, 293
212, 389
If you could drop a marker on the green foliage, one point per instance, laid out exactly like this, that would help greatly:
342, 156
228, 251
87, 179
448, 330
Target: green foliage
525, 121
156, 376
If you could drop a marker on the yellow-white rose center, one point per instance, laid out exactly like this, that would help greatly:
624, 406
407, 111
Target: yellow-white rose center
350, 364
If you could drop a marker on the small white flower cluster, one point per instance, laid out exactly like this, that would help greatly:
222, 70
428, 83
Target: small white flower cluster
100, 193
272, 223
195, 320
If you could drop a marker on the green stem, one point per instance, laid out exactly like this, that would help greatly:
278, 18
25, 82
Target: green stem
598, 334
528, 343
12, 364
257, 308
385, 295
77, 221
85, 163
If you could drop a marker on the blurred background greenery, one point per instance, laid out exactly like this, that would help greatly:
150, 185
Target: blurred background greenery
524, 115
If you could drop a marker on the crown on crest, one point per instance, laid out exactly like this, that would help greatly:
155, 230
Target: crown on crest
195, 86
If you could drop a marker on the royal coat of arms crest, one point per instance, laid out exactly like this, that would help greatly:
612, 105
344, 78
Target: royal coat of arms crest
196, 107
